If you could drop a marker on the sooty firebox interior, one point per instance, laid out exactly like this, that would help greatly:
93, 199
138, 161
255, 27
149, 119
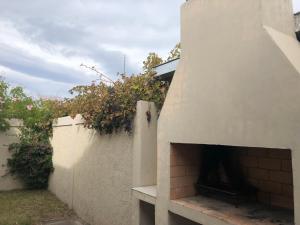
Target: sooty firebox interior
253, 185
234, 174
221, 175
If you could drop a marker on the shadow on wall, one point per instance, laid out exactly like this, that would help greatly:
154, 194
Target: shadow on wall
95, 179
93, 173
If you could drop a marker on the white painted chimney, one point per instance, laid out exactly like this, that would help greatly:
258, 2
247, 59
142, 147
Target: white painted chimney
237, 83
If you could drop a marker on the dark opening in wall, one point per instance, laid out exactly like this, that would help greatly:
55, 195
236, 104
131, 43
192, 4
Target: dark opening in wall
179, 220
147, 213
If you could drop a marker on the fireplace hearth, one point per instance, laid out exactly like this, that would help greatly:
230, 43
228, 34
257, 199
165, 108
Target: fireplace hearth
225, 193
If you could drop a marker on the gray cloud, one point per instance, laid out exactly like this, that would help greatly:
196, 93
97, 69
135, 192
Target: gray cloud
65, 33
37, 67
93, 30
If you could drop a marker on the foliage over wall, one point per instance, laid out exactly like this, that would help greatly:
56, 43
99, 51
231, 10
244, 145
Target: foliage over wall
110, 107
106, 107
15, 104
12, 101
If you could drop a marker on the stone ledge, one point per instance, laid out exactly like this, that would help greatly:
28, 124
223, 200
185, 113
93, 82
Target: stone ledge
209, 211
146, 194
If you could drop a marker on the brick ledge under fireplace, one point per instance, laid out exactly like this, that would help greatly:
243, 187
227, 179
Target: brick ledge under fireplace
209, 211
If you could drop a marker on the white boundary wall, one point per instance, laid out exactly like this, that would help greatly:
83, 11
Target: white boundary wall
7, 182
94, 174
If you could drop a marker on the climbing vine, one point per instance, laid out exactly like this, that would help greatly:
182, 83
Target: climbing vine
111, 107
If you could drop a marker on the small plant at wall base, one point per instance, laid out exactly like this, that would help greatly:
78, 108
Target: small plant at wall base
31, 159
31, 163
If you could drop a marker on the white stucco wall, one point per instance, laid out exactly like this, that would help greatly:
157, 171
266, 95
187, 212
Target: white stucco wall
94, 174
7, 182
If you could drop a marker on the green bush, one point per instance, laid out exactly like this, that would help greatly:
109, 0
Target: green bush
31, 163
31, 159
111, 108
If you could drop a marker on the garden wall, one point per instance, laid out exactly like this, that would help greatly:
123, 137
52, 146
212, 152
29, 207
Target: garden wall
7, 182
94, 174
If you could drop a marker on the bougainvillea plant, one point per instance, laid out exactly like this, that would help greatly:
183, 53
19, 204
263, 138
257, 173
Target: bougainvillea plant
111, 107
31, 157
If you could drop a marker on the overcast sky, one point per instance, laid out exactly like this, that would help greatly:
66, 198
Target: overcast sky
43, 42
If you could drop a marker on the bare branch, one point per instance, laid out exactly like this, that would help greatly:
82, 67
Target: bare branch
102, 77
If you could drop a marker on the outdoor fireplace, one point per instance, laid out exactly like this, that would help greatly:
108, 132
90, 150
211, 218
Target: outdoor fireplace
236, 84
238, 175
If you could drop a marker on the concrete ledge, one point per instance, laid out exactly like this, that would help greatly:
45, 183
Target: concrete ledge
210, 211
63, 222
146, 194
78, 120
68, 121
63, 121
194, 215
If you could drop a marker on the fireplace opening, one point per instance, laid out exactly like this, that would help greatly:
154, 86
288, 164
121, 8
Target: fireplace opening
221, 175
245, 179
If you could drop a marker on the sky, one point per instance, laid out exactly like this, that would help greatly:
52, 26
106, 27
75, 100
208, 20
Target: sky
43, 43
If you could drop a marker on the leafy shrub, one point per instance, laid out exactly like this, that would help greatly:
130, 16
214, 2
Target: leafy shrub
31, 158
31, 163
111, 108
